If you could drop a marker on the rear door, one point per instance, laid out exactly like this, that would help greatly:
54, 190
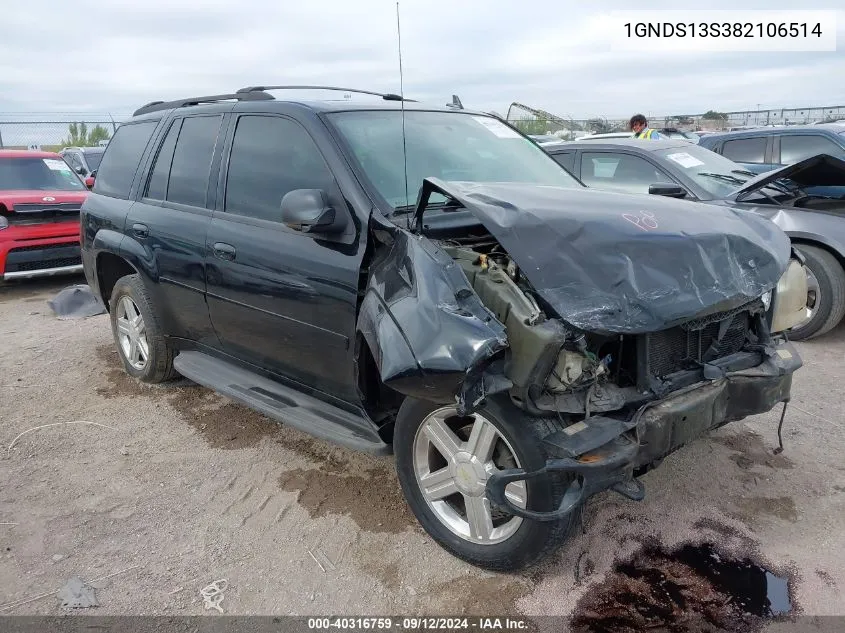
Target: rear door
170, 221
281, 299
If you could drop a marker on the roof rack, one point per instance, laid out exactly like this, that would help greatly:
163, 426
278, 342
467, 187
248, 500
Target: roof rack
386, 96
155, 106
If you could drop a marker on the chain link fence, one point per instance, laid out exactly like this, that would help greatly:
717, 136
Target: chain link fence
51, 132
534, 121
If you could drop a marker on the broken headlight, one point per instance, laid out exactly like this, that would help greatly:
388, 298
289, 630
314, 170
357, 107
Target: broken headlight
767, 300
789, 299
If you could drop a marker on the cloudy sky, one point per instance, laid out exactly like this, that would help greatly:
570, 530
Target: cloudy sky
113, 55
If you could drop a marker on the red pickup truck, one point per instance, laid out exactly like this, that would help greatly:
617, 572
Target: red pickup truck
40, 198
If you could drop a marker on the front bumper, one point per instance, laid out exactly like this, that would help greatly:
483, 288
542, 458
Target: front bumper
601, 453
40, 258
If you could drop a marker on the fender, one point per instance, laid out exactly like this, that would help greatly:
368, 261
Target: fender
428, 332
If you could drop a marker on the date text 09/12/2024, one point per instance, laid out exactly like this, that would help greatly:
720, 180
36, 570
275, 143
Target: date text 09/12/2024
416, 623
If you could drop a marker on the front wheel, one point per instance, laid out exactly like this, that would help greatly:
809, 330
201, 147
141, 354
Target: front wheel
444, 461
825, 294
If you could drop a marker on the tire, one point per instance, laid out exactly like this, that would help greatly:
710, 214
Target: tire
158, 366
830, 298
525, 541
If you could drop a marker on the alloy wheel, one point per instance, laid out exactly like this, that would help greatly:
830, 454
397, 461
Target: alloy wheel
453, 458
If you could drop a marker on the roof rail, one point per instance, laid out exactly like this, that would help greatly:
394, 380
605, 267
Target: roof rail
386, 96
155, 106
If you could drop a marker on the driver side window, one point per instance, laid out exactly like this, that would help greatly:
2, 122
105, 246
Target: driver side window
620, 172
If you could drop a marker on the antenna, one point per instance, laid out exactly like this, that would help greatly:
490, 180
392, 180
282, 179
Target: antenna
402, 106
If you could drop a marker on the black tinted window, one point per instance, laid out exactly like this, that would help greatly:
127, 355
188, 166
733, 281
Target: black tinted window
566, 160
270, 157
746, 150
796, 147
157, 185
192, 160
114, 178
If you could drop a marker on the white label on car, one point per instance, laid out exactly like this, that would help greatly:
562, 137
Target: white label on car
56, 165
497, 127
685, 160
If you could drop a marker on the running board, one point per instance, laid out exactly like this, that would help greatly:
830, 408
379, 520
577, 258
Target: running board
282, 403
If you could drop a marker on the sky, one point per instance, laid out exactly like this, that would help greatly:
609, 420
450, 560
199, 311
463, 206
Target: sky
97, 56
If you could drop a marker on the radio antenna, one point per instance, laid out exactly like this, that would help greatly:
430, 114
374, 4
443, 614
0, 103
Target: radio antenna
402, 106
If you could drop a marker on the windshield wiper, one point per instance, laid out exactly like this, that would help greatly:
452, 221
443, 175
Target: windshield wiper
451, 205
732, 179
744, 172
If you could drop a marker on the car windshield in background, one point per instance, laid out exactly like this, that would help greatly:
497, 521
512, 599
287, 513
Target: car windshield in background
714, 173
446, 145
40, 174
93, 159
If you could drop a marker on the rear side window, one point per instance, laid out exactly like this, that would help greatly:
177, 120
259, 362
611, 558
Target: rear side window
565, 160
746, 150
270, 157
192, 160
114, 178
157, 184
796, 147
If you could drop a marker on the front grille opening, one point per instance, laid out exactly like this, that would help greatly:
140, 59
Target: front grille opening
685, 347
43, 264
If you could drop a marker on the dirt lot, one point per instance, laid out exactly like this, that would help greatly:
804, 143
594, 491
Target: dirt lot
174, 487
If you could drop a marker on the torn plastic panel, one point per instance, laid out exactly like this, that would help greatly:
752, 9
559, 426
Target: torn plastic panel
429, 333
615, 263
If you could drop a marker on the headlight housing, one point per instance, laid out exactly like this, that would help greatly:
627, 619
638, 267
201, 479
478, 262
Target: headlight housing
789, 299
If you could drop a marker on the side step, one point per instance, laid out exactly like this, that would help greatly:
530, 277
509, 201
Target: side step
282, 403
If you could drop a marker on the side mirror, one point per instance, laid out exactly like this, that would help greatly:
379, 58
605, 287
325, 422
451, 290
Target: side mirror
89, 182
80, 170
308, 210
670, 190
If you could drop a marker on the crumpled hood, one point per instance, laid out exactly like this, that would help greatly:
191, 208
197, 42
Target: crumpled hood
618, 263
822, 170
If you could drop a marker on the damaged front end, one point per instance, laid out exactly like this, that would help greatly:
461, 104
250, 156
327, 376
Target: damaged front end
575, 316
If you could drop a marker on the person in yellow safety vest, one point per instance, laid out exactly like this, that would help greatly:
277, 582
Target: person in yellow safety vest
639, 126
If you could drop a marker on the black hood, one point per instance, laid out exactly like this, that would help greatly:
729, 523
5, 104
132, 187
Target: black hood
822, 170
619, 263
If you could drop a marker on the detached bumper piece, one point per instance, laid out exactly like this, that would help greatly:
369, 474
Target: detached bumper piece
601, 453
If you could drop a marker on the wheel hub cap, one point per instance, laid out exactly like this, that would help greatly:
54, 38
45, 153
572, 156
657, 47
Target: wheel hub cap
470, 475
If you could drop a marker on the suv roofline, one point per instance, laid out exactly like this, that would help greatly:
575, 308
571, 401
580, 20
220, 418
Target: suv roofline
251, 93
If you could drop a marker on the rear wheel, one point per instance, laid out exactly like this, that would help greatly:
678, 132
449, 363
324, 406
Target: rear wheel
444, 460
140, 342
825, 294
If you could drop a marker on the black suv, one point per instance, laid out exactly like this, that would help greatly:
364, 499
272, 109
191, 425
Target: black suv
429, 282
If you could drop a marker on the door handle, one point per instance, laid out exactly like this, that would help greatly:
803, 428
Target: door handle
224, 251
141, 230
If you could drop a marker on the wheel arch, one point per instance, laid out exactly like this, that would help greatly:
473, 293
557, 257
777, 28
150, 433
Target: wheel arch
110, 268
805, 239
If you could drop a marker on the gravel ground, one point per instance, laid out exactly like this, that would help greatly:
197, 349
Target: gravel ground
173, 487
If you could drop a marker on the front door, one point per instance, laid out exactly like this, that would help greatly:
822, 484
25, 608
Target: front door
283, 300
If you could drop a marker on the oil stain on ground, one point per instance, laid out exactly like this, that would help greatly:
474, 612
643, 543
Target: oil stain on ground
689, 588
371, 498
751, 450
473, 596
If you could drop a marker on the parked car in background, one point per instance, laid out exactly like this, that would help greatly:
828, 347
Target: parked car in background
40, 198
814, 222
294, 256
767, 148
84, 161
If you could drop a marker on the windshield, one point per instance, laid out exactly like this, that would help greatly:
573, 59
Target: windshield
93, 159
41, 174
446, 145
717, 175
